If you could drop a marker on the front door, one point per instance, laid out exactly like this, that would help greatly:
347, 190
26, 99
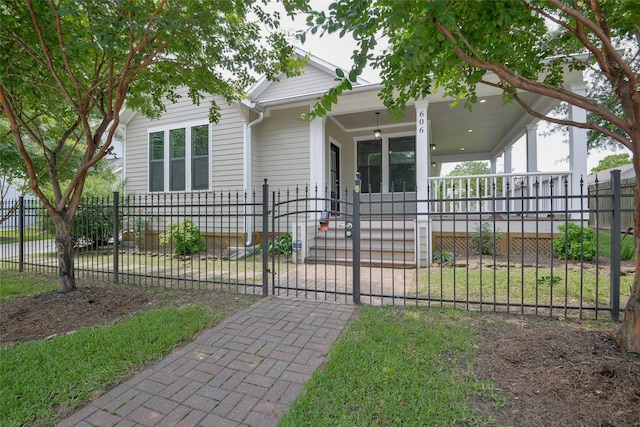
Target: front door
334, 179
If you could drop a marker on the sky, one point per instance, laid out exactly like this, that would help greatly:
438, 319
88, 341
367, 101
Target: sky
337, 51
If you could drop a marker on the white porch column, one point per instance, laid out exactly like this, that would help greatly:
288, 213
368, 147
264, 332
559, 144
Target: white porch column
507, 159
423, 154
532, 147
494, 165
578, 150
532, 161
317, 157
423, 166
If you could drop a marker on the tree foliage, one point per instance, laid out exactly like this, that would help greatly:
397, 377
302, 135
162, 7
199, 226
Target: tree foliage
612, 161
68, 67
513, 45
470, 168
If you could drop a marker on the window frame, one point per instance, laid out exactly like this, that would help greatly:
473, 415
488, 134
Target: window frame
386, 169
188, 158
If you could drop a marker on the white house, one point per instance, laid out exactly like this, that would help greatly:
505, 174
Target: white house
263, 137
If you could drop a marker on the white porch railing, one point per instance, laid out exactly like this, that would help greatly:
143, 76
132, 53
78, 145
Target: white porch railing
535, 193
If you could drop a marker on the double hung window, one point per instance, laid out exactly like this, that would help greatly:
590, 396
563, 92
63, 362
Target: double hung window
179, 158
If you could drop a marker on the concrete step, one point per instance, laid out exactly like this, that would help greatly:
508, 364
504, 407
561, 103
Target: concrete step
364, 262
330, 254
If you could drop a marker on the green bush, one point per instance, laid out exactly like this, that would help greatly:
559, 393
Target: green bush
185, 237
485, 240
575, 242
281, 245
627, 251
443, 257
92, 223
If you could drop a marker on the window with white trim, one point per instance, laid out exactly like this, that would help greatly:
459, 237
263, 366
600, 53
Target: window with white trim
179, 158
388, 164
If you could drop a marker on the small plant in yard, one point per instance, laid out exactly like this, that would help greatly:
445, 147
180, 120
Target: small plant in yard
140, 227
185, 237
485, 240
549, 280
443, 257
281, 245
627, 252
575, 242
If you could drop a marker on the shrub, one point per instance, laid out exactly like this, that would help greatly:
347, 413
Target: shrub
627, 251
281, 245
93, 223
485, 240
185, 237
443, 257
575, 242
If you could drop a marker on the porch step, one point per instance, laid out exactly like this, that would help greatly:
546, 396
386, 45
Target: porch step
364, 262
384, 243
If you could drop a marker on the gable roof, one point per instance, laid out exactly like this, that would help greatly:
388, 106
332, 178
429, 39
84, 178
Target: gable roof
317, 77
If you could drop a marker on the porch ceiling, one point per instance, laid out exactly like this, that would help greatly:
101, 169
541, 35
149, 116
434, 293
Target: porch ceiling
459, 134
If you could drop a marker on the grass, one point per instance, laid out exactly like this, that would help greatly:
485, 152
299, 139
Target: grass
30, 234
18, 285
626, 245
396, 366
526, 284
196, 267
38, 378
69, 369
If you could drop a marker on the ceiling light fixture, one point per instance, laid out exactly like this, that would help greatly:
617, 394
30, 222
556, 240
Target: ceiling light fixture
377, 133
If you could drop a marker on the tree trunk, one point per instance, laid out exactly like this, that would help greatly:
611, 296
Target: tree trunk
628, 333
64, 246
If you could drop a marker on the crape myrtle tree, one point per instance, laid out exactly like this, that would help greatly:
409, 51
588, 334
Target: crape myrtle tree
13, 170
526, 44
68, 68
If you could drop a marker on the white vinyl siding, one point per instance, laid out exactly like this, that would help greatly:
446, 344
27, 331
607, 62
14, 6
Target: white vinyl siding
225, 164
282, 152
313, 80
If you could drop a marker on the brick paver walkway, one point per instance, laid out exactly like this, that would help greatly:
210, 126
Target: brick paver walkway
243, 372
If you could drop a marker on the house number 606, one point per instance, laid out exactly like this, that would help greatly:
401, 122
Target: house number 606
421, 122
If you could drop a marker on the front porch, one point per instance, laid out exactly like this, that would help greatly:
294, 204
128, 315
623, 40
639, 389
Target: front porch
519, 214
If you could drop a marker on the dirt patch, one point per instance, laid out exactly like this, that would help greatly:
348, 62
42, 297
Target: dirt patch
53, 313
557, 372
551, 372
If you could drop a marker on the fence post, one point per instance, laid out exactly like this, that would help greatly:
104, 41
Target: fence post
265, 238
616, 224
356, 239
21, 234
116, 235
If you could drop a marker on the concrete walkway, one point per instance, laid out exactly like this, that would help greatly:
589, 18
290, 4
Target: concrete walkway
243, 372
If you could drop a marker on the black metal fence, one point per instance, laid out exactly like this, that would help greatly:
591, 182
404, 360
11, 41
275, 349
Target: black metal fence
361, 247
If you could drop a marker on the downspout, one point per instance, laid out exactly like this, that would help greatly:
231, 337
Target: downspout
248, 177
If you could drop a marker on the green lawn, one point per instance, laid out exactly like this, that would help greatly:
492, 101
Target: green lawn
17, 285
30, 234
529, 285
67, 370
38, 377
397, 367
